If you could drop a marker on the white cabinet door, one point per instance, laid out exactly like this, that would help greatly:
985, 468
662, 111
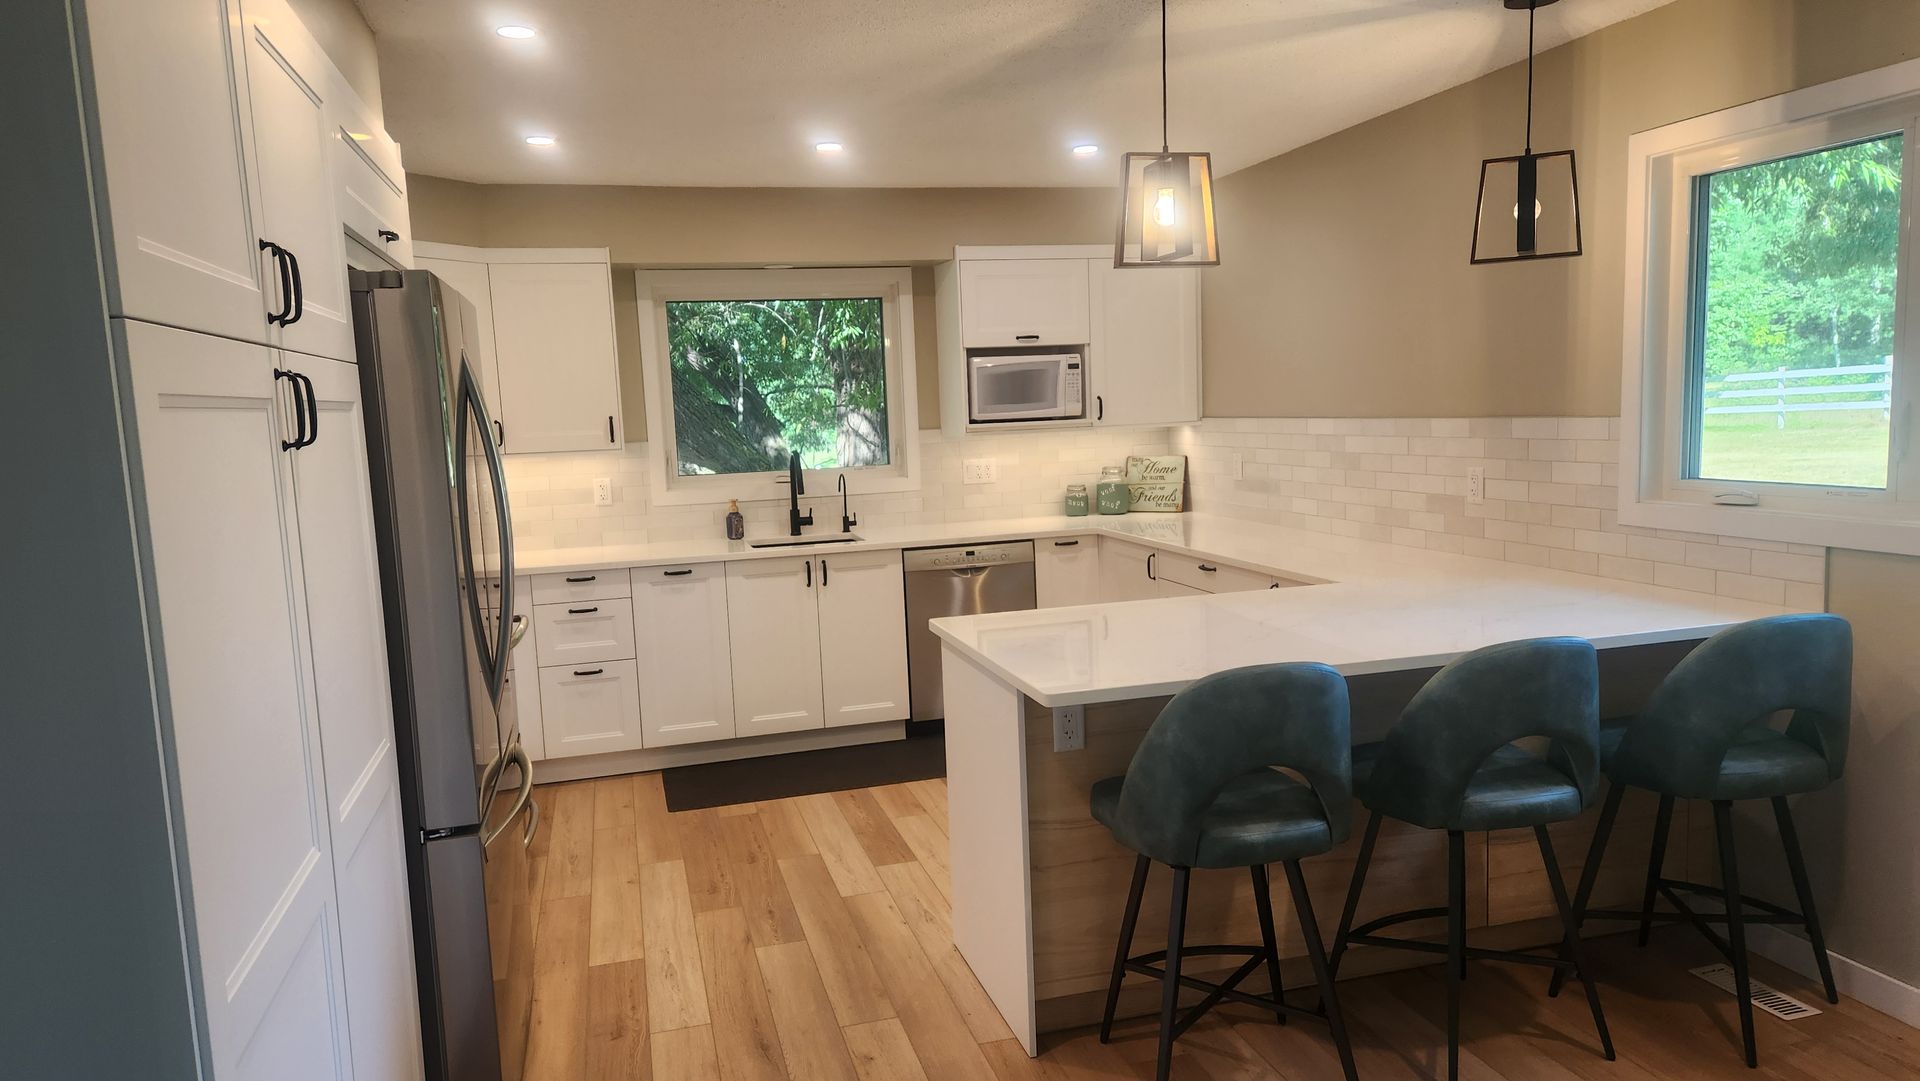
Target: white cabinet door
218, 499
286, 76
470, 280
1066, 571
525, 672
1124, 572
553, 343
590, 709
584, 631
863, 637
1145, 356
177, 183
1012, 302
686, 671
1167, 587
773, 627
346, 628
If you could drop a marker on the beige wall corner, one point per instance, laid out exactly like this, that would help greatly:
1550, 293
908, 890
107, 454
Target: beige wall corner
346, 38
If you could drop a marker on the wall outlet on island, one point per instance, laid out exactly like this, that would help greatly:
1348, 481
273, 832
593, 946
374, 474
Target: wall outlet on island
1477, 484
602, 492
980, 471
1070, 728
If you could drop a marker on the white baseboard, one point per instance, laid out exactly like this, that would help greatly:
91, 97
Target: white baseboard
1871, 987
618, 762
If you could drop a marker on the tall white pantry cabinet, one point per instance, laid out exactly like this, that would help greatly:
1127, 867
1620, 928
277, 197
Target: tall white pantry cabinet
221, 143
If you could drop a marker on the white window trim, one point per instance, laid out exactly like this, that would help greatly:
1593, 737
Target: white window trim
894, 287
1660, 165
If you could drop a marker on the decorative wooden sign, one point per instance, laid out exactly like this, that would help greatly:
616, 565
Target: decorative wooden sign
1157, 484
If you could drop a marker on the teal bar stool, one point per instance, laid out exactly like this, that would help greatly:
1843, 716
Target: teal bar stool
1452, 763
1201, 791
1705, 735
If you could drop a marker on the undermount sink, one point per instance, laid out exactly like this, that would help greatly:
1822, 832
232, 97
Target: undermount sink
803, 542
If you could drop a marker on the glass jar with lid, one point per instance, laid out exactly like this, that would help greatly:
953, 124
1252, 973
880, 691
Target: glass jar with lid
1111, 495
1076, 500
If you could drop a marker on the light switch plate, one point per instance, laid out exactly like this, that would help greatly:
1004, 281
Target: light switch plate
980, 471
1070, 728
602, 492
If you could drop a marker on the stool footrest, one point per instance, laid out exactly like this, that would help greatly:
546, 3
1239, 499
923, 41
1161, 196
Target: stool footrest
1384, 922
1147, 964
1473, 953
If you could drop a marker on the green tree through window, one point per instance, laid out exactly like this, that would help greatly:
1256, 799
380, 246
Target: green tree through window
756, 379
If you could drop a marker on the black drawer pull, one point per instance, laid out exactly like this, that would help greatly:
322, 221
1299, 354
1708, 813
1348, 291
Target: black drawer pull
1065, 544
585, 578
1026, 337
582, 611
678, 573
389, 235
1208, 569
589, 672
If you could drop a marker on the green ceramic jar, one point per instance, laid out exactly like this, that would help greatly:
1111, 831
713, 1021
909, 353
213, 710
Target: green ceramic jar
1076, 500
1111, 495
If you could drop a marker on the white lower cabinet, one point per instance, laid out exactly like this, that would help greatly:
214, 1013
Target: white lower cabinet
1126, 572
1066, 571
1208, 576
581, 632
590, 709
684, 656
863, 637
773, 627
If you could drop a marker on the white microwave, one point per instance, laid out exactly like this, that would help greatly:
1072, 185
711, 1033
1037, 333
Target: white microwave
1040, 386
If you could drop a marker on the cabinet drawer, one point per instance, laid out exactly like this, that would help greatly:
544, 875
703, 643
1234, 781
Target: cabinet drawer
590, 708
579, 586
1207, 575
581, 633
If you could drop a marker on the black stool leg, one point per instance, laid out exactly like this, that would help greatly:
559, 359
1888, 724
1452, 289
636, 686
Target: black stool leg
1736, 926
1317, 957
1571, 921
1797, 864
1353, 892
1590, 873
1170, 983
1263, 900
1456, 943
1661, 824
1127, 921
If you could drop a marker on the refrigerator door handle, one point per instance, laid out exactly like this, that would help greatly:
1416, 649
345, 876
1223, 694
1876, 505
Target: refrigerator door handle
519, 632
520, 758
533, 824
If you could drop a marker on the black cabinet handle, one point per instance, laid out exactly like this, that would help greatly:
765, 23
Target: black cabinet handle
286, 282
389, 235
1150, 556
1208, 569
809, 566
823, 574
610, 427
313, 409
583, 578
1275, 585
1026, 337
678, 573
583, 611
589, 672
1065, 543
299, 292
299, 411
499, 434
1099, 407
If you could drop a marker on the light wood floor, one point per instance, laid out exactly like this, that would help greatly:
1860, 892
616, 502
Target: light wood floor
809, 939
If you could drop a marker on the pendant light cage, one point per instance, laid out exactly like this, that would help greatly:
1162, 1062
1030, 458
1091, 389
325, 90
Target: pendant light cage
1547, 182
1166, 201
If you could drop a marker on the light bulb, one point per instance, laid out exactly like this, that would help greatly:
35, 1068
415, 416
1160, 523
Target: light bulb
515, 33
540, 140
1086, 150
1537, 210
1164, 211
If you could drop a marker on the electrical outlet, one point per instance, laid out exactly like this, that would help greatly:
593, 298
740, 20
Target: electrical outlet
1070, 728
1477, 484
1237, 465
980, 470
602, 492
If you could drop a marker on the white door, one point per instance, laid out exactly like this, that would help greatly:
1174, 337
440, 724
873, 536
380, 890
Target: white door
285, 80
177, 185
590, 708
863, 637
1125, 571
1146, 348
1006, 302
470, 281
553, 342
686, 670
1066, 571
346, 630
211, 420
774, 629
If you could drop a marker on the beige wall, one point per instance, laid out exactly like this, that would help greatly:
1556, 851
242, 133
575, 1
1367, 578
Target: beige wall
696, 227
348, 41
1345, 289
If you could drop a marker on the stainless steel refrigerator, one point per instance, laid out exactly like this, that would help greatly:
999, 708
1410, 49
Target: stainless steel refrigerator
446, 568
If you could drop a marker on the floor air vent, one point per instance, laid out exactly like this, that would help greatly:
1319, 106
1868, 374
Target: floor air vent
1783, 1006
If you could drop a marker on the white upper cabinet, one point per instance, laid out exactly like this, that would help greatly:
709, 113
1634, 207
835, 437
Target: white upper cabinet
554, 345
773, 627
1145, 359
1016, 302
370, 183
686, 673
185, 251
469, 278
863, 637
287, 75
1066, 571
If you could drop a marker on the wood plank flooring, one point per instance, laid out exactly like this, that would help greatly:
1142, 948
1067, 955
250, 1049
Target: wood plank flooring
811, 939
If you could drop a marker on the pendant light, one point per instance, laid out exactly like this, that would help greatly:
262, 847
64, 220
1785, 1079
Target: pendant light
1545, 184
1166, 204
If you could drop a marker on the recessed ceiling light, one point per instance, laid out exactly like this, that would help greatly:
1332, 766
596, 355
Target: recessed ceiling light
1085, 150
540, 140
517, 33
827, 148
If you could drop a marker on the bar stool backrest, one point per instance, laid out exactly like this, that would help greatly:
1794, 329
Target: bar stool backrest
1736, 680
1483, 701
1225, 726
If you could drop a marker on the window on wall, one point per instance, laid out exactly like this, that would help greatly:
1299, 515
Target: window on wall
1769, 373
745, 368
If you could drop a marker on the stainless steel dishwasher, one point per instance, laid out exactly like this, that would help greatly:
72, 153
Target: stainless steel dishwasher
960, 581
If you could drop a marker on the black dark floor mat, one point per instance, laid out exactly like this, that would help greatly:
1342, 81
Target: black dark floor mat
834, 769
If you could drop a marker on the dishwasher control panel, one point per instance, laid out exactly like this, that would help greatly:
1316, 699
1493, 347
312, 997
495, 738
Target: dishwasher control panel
958, 558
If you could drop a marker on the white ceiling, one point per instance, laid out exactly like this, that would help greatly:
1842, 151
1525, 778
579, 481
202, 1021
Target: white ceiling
923, 93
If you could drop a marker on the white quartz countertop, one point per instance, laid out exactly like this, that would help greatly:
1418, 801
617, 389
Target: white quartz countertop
1376, 608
